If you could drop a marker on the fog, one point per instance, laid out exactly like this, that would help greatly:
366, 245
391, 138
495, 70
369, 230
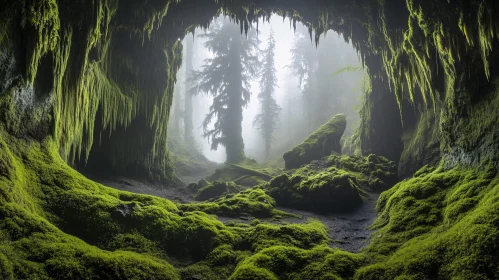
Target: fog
295, 124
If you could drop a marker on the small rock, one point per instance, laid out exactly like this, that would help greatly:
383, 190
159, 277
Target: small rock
243, 218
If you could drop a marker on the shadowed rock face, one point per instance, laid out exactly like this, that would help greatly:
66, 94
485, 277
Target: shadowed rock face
321, 143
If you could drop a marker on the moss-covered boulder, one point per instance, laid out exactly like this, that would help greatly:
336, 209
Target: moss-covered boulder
330, 191
372, 173
284, 262
253, 202
321, 143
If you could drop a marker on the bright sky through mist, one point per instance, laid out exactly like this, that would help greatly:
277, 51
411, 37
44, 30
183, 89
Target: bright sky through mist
284, 35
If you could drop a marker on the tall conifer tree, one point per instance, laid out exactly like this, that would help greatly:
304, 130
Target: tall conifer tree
226, 77
268, 119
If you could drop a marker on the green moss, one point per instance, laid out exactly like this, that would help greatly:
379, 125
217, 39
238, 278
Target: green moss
421, 144
442, 222
373, 172
303, 236
281, 262
38, 249
100, 216
323, 192
318, 145
252, 201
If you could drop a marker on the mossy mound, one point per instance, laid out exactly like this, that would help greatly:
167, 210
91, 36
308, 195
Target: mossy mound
438, 225
373, 172
305, 236
320, 144
283, 262
56, 224
333, 184
216, 189
253, 202
225, 259
331, 191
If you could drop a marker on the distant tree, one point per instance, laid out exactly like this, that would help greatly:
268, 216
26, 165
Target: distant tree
227, 78
304, 65
189, 53
268, 119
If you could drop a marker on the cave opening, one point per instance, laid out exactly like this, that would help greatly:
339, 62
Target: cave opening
105, 175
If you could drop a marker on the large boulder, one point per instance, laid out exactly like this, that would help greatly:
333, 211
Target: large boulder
323, 192
321, 143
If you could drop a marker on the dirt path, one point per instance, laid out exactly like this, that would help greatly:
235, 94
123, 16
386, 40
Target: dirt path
349, 232
194, 178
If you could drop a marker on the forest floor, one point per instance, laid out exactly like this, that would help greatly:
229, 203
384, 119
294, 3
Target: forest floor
349, 231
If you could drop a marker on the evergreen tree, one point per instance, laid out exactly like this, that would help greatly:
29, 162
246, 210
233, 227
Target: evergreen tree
227, 78
268, 119
304, 65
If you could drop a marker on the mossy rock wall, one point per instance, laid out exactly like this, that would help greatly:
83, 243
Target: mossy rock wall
106, 73
321, 143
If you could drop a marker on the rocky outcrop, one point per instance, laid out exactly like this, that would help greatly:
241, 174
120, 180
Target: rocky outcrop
321, 143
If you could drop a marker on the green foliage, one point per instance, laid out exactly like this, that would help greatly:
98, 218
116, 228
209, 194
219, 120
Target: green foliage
321, 143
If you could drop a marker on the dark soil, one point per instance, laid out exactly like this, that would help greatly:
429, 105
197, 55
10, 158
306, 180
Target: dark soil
349, 232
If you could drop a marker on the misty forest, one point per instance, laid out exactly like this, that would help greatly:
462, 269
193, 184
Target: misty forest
247, 139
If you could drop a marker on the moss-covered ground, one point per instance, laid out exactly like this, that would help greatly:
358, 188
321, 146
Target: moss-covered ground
56, 224
335, 184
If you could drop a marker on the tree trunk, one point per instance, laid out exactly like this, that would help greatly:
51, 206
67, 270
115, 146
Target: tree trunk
233, 130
